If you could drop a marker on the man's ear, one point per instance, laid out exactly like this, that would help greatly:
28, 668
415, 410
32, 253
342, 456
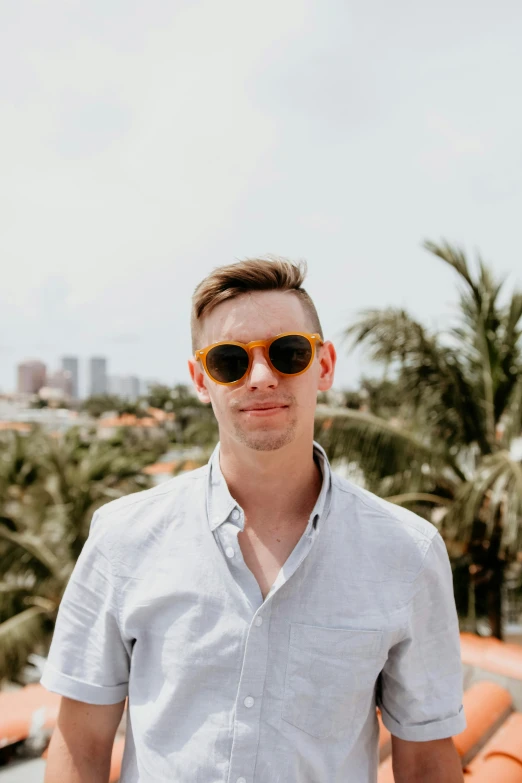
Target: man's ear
327, 361
199, 379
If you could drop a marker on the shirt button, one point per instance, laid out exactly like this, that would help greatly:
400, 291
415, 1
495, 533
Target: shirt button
249, 701
241, 780
229, 551
235, 514
259, 620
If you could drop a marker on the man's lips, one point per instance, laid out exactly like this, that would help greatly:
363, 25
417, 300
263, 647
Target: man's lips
264, 407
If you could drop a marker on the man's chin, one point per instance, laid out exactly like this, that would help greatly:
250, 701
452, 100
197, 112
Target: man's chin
266, 441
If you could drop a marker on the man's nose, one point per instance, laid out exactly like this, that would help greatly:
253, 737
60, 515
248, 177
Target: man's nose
261, 375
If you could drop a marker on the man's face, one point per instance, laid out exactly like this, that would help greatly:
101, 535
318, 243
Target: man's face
261, 315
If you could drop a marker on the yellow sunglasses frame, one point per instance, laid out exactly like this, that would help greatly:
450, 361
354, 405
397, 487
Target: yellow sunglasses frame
201, 355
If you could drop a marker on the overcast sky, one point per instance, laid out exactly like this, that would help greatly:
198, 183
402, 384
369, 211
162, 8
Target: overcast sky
144, 143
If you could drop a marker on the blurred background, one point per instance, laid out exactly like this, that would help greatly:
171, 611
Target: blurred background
144, 144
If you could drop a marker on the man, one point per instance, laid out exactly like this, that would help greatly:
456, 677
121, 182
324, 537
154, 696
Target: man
255, 611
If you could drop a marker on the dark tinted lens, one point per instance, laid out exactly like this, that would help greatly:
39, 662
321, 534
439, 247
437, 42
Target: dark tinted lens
290, 354
227, 363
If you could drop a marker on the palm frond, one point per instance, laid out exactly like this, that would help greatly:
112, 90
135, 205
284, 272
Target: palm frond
20, 636
34, 547
514, 314
381, 448
391, 334
419, 497
511, 420
499, 477
430, 374
454, 257
509, 356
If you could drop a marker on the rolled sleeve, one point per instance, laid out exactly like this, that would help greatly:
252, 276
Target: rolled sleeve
88, 659
421, 686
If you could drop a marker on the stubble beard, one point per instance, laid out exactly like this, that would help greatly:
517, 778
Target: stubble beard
265, 439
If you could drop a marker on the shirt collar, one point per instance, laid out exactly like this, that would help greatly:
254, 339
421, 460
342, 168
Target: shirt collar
221, 504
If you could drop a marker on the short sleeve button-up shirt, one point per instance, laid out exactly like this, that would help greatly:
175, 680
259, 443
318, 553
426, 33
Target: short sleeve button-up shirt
225, 687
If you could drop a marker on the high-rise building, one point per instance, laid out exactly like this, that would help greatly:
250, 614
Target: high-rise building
70, 364
98, 375
31, 376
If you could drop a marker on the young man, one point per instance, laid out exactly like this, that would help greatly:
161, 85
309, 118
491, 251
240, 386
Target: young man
255, 611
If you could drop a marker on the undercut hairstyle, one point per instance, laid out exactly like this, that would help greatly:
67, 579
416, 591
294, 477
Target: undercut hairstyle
243, 277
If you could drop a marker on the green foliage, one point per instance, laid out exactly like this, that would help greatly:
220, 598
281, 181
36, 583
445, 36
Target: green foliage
102, 403
175, 398
194, 422
441, 424
49, 490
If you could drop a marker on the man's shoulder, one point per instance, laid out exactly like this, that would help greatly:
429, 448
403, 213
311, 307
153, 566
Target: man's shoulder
140, 517
383, 525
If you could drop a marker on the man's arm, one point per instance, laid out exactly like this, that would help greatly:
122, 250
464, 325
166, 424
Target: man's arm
81, 745
433, 761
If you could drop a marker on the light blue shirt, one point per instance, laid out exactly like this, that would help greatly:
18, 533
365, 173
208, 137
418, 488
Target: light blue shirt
225, 687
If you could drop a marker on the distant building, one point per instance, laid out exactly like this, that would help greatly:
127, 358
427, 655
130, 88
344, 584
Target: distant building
98, 375
32, 375
130, 387
126, 386
60, 381
113, 385
70, 364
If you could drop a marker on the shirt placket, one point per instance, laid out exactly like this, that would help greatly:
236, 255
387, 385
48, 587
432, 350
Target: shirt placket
253, 673
228, 523
249, 699
227, 534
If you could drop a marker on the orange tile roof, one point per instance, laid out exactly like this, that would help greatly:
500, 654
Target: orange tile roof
500, 760
18, 712
161, 415
492, 655
128, 420
159, 468
20, 426
486, 706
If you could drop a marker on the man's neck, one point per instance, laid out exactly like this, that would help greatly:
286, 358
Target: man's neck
281, 485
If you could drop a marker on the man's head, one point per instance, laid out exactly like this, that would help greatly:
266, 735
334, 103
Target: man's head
252, 300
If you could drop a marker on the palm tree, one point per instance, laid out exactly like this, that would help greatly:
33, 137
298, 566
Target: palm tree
49, 490
449, 446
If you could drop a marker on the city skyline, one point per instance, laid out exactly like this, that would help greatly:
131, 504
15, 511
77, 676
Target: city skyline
33, 374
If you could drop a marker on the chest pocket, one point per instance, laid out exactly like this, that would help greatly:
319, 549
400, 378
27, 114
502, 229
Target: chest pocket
330, 673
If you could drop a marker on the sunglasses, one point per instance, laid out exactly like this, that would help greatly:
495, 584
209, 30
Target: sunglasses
229, 362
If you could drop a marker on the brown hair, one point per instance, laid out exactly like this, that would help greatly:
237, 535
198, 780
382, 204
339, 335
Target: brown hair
252, 274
